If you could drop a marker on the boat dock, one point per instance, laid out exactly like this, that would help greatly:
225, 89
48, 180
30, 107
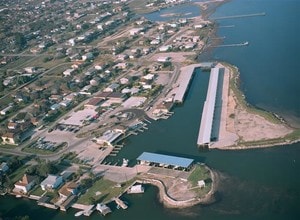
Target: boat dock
204, 137
184, 79
121, 203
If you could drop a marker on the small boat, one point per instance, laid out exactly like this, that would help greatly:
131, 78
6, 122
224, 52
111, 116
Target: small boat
18, 196
136, 189
125, 162
246, 43
77, 214
103, 209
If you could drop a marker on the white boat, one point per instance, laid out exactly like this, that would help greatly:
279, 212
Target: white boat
136, 189
125, 162
77, 214
103, 209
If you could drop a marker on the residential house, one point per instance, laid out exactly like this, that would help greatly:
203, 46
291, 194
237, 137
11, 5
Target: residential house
111, 88
165, 48
68, 72
124, 81
51, 182
25, 184
68, 189
87, 56
10, 138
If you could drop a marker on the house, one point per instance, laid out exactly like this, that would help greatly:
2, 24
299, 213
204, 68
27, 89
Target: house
55, 107
163, 59
12, 125
155, 42
121, 66
51, 182
111, 88
4, 167
10, 138
68, 189
163, 108
25, 184
30, 69
68, 72
124, 81
135, 31
165, 48
6, 110
87, 56
93, 102
108, 137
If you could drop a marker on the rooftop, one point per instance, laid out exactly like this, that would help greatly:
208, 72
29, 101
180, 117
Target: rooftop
165, 159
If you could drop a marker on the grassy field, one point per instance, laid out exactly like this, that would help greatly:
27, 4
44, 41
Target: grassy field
199, 173
102, 191
17, 175
37, 191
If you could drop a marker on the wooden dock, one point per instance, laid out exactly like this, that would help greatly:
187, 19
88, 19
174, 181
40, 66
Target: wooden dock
121, 203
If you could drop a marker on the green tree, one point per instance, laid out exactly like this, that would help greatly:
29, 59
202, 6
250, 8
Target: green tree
20, 40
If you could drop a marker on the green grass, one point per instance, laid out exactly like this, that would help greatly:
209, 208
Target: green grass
37, 191
18, 174
199, 173
8, 146
107, 189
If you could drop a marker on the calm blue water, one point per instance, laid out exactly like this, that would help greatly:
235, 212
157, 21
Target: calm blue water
167, 14
255, 184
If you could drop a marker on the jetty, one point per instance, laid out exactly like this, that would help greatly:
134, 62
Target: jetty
233, 45
121, 203
240, 16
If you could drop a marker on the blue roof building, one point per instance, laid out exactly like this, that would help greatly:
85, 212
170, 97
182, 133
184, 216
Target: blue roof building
164, 160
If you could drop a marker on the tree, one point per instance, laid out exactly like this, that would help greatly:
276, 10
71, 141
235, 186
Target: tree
20, 40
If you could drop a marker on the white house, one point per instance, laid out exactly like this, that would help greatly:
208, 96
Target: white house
165, 48
135, 31
87, 56
68, 72
25, 184
163, 59
51, 182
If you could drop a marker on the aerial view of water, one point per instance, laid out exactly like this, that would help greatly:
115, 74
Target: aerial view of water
255, 184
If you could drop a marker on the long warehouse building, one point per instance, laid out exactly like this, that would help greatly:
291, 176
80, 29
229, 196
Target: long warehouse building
204, 138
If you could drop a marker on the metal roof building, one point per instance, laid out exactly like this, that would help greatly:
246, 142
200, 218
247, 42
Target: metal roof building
204, 137
165, 160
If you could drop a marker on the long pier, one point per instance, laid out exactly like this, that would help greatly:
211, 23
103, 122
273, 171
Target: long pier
240, 16
232, 45
204, 137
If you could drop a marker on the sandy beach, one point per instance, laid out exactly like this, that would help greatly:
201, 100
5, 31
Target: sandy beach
242, 126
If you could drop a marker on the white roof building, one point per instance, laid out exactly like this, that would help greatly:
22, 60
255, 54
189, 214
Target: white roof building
51, 182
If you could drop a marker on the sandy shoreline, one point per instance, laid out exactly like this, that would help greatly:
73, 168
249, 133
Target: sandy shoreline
244, 127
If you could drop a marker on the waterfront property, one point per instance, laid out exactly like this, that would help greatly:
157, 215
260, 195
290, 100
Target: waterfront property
205, 132
162, 160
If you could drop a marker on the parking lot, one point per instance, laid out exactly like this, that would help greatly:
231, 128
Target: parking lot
41, 143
